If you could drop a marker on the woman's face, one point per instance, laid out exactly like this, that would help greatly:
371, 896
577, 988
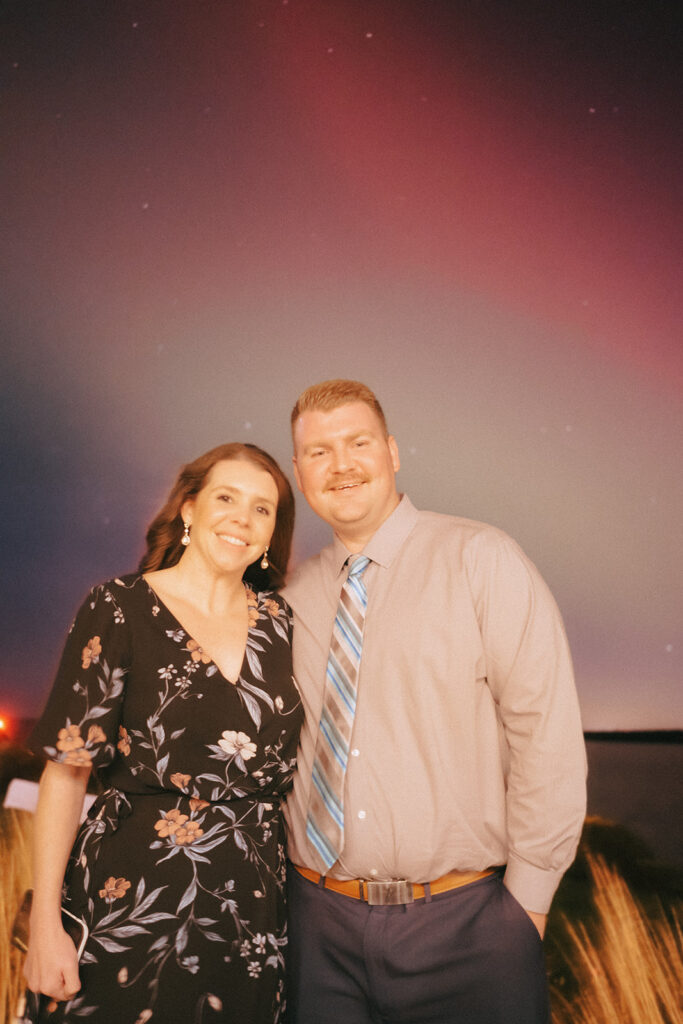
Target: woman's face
233, 517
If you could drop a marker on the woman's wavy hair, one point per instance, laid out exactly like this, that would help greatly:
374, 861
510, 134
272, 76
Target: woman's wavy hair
166, 529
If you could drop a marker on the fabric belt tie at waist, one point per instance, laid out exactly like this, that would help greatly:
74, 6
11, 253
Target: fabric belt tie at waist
397, 891
109, 810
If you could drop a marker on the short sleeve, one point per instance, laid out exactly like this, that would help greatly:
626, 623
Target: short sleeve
79, 725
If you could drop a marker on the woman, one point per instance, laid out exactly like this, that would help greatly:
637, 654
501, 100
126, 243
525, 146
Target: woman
176, 687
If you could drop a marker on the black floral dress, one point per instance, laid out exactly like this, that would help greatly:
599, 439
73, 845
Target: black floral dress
178, 869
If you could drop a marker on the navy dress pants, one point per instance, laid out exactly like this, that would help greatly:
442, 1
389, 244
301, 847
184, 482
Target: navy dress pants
468, 956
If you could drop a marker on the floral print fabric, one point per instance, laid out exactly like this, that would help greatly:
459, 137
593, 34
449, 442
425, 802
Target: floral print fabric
179, 868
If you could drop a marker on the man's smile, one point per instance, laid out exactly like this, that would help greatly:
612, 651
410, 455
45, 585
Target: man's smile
347, 485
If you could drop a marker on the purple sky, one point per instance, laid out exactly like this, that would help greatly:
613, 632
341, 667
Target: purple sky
472, 206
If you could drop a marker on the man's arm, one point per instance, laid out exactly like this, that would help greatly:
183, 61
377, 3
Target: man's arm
530, 675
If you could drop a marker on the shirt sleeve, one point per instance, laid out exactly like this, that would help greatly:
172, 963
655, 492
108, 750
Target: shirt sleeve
79, 725
529, 672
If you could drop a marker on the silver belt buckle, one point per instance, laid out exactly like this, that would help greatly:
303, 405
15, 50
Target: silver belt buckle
389, 894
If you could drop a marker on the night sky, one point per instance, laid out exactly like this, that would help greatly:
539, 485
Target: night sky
474, 207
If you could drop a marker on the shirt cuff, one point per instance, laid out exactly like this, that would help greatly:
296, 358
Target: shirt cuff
533, 887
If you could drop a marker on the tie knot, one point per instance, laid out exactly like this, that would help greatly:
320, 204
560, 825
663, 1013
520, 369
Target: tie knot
358, 564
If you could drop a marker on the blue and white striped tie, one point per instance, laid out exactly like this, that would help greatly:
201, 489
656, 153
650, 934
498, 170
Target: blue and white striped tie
325, 820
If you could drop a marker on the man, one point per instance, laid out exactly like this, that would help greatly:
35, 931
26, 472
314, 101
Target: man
450, 744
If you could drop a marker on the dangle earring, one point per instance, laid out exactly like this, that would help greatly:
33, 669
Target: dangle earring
185, 539
264, 561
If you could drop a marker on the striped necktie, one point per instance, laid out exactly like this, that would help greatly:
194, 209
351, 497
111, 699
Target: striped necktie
325, 821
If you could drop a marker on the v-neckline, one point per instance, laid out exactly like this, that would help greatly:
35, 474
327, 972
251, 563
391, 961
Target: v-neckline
162, 604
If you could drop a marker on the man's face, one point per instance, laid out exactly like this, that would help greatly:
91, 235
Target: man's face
344, 466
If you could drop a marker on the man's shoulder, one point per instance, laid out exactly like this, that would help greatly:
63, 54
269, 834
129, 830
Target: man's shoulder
475, 546
458, 529
300, 579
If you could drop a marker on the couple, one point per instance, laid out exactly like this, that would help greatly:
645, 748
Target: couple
440, 782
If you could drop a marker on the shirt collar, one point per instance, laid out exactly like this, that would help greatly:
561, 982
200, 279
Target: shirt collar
385, 544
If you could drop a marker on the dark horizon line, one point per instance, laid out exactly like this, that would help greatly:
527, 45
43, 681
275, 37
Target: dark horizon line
635, 735
25, 725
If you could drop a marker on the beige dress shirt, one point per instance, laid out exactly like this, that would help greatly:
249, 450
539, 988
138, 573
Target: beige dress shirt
467, 748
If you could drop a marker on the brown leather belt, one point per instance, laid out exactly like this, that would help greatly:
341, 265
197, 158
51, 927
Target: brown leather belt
395, 892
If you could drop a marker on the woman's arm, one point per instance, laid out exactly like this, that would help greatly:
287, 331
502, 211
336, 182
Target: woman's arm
51, 963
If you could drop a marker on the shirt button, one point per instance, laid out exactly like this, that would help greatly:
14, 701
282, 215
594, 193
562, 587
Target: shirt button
361, 814
355, 752
373, 871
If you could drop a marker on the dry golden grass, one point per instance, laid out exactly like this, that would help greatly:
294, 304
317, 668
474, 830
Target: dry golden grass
629, 967
630, 971
16, 828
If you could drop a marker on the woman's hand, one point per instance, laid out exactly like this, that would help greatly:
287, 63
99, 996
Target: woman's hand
51, 965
